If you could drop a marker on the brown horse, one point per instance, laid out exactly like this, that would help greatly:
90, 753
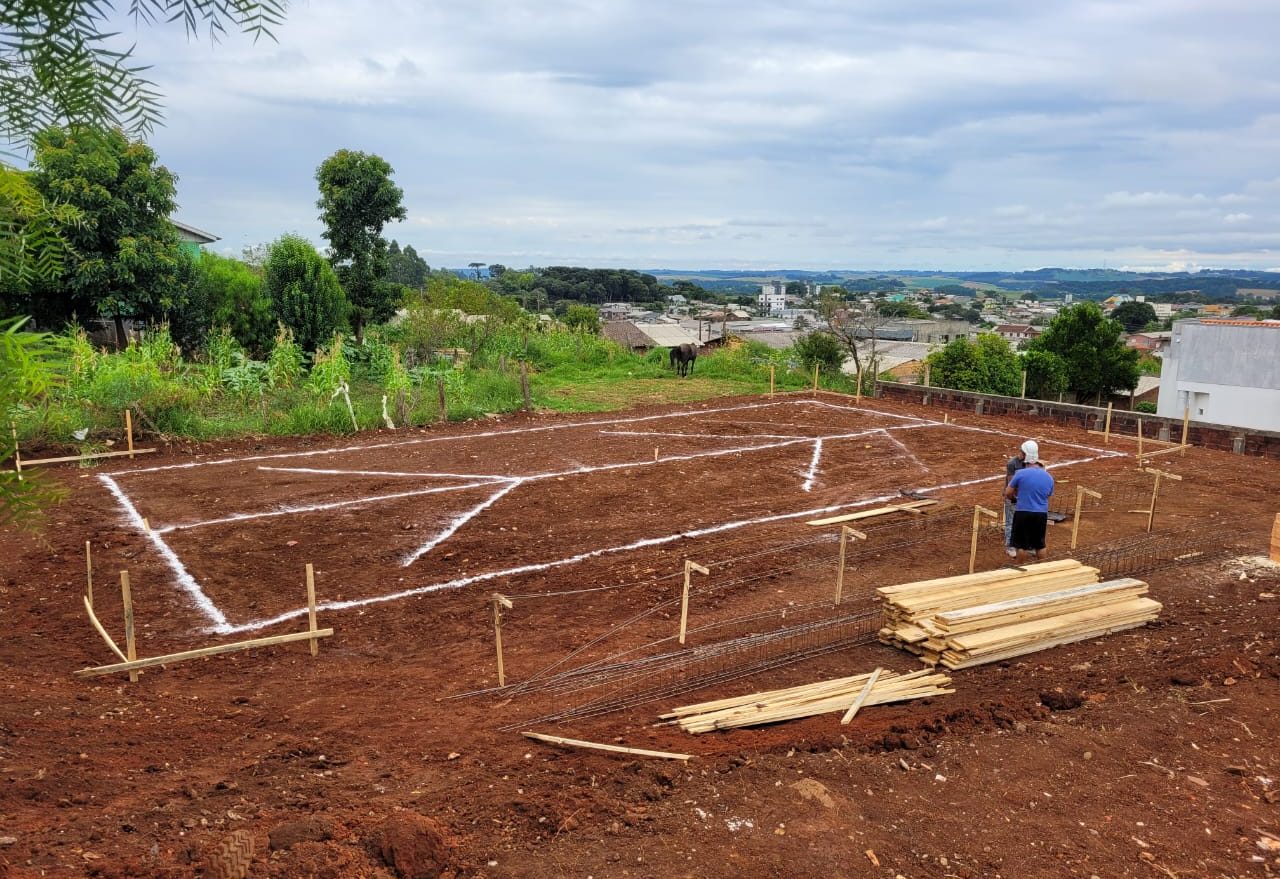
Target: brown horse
682, 358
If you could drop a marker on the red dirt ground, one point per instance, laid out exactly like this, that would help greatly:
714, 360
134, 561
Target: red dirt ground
1148, 753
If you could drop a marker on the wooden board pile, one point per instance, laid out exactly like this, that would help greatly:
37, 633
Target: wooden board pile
825, 697
992, 615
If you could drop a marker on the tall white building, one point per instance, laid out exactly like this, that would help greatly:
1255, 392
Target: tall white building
1224, 371
773, 297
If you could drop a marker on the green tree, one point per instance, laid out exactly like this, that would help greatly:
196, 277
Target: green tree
1046, 374
1133, 316
987, 365
357, 198
223, 292
1098, 362
304, 291
582, 318
405, 267
124, 252
821, 348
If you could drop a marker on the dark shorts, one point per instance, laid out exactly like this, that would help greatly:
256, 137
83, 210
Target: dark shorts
1028, 530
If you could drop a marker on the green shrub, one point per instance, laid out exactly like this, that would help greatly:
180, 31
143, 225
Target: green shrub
1145, 406
304, 291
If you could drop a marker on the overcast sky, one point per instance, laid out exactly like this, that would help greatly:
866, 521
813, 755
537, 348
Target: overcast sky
994, 134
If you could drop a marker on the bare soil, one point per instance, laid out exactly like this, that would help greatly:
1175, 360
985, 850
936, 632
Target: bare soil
1147, 753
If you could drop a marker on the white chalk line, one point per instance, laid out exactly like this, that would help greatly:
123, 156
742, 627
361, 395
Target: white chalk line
906, 451
458, 522
313, 508
459, 582
180, 573
813, 466
722, 436
412, 473
452, 438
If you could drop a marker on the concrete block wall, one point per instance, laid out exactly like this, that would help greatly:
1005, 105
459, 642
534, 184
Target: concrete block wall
1240, 440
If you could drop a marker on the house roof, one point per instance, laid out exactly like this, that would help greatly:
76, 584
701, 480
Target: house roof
638, 335
1275, 324
1146, 384
193, 234
1015, 328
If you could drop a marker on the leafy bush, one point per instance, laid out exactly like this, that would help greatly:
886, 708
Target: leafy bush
1145, 406
304, 291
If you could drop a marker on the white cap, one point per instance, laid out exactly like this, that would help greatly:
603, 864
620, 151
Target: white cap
1032, 451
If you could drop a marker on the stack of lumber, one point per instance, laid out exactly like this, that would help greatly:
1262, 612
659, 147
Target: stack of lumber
976, 618
825, 697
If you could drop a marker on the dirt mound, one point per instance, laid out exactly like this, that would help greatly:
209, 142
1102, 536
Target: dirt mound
417, 847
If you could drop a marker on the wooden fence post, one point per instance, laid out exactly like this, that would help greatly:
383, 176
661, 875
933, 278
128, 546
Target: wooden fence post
130, 647
17, 455
845, 533
1155, 490
978, 513
311, 607
128, 430
88, 572
1139, 443
1081, 491
684, 595
499, 602
1106, 431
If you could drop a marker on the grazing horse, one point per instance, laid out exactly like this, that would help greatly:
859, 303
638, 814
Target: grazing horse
682, 358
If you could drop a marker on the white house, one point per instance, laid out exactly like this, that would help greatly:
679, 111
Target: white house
1224, 371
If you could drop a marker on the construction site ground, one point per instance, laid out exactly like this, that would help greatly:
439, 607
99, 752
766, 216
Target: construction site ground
1146, 753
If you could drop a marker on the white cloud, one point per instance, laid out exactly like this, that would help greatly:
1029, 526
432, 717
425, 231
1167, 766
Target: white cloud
995, 134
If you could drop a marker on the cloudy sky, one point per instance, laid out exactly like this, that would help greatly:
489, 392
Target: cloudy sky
876, 134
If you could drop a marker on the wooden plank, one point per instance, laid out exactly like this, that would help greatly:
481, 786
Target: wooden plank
954, 662
980, 611
1167, 451
980, 576
168, 658
1151, 441
868, 514
862, 697
614, 749
684, 595
128, 430
88, 572
1186, 423
93, 618
499, 602
1107, 431
1046, 627
92, 457
1275, 539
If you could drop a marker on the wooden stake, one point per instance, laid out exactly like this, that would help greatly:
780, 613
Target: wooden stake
1023, 393
1139, 443
88, 572
524, 385
128, 430
684, 595
858, 393
1106, 431
1186, 423
17, 455
862, 697
815, 378
1155, 489
978, 513
1081, 491
595, 746
845, 533
311, 607
499, 602
771, 369
1274, 552
655, 454
129, 641
442, 413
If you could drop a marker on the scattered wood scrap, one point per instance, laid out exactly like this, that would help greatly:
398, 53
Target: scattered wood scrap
992, 615
807, 700
911, 507
596, 746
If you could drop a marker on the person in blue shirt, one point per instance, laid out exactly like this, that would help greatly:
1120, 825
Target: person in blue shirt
1030, 490
1016, 463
